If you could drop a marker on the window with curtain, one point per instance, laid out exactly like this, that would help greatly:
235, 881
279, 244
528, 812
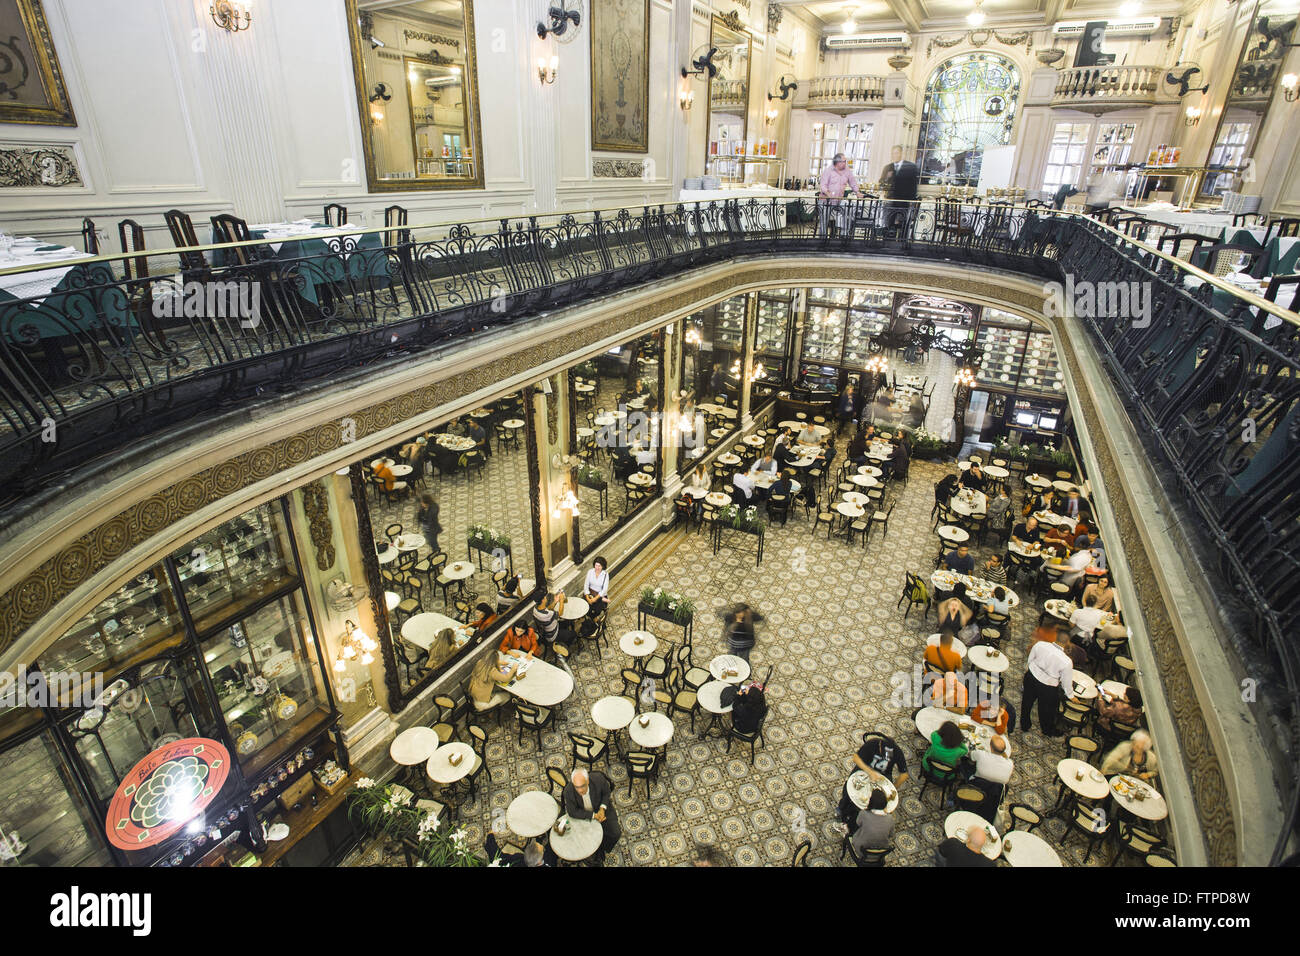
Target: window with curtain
970, 104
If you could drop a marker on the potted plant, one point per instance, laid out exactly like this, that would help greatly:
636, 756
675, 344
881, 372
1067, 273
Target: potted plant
666, 605
928, 445
589, 476
391, 812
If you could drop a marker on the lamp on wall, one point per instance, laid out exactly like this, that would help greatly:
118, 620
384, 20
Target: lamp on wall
546, 72
770, 116
227, 15
1193, 115
1290, 85
356, 643
567, 501
685, 98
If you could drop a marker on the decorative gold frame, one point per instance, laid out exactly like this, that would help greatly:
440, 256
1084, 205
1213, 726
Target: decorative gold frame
373, 182
644, 145
729, 22
46, 67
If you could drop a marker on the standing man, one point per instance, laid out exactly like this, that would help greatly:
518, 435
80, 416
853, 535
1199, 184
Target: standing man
1047, 673
591, 798
903, 178
846, 406
836, 178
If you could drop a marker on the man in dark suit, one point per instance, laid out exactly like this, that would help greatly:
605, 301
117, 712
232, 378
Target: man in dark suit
591, 798
903, 178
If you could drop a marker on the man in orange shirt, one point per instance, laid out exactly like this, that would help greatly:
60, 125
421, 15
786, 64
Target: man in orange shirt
385, 474
942, 655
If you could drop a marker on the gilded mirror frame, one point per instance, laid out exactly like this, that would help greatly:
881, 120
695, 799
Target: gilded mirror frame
732, 24
373, 182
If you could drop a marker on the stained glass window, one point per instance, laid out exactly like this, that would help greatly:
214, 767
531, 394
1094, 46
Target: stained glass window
970, 103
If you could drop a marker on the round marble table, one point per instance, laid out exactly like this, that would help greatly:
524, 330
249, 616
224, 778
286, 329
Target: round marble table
630, 647
697, 493
871, 470
1085, 688
585, 432
640, 478
717, 499
729, 459
754, 441
512, 424
459, 570
864, 481
413, 746
1038, 482
1065, 487
859, 787
439, 766
401, 471
612, 713
996, 473
987, 658
958, 824
719, 432
957, 644
533, 813
849, 509
710, 697
1028, 849
953, 534
421, 629
657, 731
410, 542
1082, 778
580, 840
856, 498
575, 608
723, 663
1125, 790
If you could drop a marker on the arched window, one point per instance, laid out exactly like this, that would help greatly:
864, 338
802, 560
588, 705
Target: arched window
970, 103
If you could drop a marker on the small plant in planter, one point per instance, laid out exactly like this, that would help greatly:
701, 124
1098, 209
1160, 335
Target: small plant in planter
389, 812
926, 444
667, 604
589, 476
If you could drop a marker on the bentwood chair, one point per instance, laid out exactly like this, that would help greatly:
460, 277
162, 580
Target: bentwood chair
870, 856
941, 775
556, 777
89, 238
914, 593
682, 699
478, 743
335, 214
1022, 814
532, 718
1282, 226
801, 853
588, 750
747, 738
1094, 826
641, 766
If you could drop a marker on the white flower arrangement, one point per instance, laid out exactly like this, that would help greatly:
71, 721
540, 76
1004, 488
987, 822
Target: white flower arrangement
428, 826
365, 783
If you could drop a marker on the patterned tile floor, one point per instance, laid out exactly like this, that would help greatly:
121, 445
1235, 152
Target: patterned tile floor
834, 638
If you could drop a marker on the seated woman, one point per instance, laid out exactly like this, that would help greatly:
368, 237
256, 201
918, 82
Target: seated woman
492, 670
946, 488
1134, 757
1126, 709
954, 613
857, 450
486, 615
509, 594
520, 638
874, 825
443, 646
596, 588
384, 472
1100, 594
947, 746
992, 712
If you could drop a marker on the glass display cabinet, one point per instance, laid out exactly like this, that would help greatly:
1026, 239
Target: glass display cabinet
870, 312
215, 642
1002, 347
1041, 371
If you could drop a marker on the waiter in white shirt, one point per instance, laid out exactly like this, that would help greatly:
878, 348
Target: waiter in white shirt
1049, 669
745, 485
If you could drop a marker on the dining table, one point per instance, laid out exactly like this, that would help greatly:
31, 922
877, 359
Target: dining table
421, 629
977, 589
871, 470
441, 768
987, 658
1021, 848
709, 697
575, 608
650, 730
959, 823
414, 746
977, 736
638, 643
58, 292
718, 499
540, 684
1138, 797
532, 813
1038, 482
580, 839
315, 256
729, 668
861, 785
1083, 778
958, 647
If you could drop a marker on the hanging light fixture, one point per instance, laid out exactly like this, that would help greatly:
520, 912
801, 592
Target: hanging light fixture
976, 17
965, 377
356, 643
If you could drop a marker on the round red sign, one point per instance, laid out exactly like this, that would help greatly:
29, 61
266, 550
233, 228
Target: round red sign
165, 791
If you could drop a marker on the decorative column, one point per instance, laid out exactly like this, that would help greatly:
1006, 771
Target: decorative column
670, 433
963, 384
747, 357
540, 102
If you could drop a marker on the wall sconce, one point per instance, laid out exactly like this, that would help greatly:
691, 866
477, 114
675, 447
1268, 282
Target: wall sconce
381, 92
1290, 84
770, 116
1193, 115
227, 14
356, 643
965, 378
567, 501
545, 73
686, 99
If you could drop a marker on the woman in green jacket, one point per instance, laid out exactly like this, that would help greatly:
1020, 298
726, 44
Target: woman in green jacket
946, 746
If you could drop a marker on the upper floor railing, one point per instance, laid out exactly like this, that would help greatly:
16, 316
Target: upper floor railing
1101, 88
96, 353
856, 91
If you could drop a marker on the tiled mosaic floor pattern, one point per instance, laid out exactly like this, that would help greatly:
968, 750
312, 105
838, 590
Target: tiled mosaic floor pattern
834, 638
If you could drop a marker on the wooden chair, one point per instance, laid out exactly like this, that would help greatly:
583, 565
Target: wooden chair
871, 856
1022, 814
532, 718
181, 228
913, 587
478, 743
588, 750
336, 215
1094, 826
641, 766
681, 700
801, 853
941, 775
228, 228
749, 738
881, 518
89, 238
556, 777
395, 216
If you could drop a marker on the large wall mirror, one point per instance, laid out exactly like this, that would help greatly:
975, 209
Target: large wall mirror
616, 433
728, 98
451, 513
417, 92
1259, 68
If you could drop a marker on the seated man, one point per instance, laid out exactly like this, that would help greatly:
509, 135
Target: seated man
1076, 564
973, 478
992, 712
994, 571
745, 485
993, 765
874, 825
960, 560
535, 853
765, 464
591, 798
1026, 532
949, 693
952, 852
999, 507
808, 434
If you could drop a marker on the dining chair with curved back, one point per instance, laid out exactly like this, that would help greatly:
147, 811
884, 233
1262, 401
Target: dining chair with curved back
478, 743
228, 228
395, 217
749, 737
89, 237
1022, 814
336, 214
532, 718
587, 749
556, 777
181, 228
641, 766
801, 852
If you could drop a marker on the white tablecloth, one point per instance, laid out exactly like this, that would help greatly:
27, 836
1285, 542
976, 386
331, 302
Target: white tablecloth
25, 285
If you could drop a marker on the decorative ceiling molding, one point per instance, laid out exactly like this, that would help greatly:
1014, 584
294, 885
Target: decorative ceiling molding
978, 38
